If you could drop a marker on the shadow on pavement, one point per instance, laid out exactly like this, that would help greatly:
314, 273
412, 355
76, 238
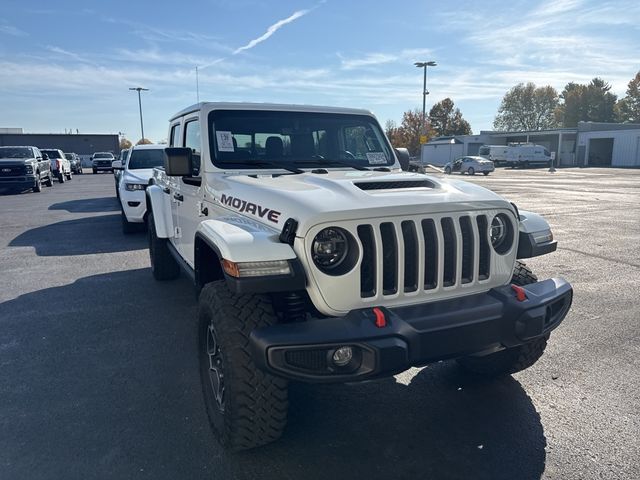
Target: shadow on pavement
82, 236
100, 379
89, 205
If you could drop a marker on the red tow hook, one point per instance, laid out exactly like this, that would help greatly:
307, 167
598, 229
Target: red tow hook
521, 294
380, 320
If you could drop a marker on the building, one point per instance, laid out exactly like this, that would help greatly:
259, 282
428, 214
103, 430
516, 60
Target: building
82, 144
589, 144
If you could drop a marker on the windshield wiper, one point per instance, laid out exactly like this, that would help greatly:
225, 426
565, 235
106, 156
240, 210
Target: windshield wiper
261, 163
325, 163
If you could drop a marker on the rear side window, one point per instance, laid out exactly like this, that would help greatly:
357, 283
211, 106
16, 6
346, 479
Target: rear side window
192, 141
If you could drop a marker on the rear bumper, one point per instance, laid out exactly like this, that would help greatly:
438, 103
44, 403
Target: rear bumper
413, 336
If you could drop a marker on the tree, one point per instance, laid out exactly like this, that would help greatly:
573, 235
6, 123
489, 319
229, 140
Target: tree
407, 135
447, 120
527, 107
124, 143
586, 103
628, 108
144, 141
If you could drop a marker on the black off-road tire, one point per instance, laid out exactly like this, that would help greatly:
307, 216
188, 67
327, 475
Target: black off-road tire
510, 360
38, 186
253, 410
163, 265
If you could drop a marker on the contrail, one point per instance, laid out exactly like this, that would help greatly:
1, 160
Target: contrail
271, 30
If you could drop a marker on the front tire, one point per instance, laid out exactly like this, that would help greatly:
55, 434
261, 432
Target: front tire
127, 226
163, 265
509, 360
247, 407
61, 177
95, 171
485, 173
49, 182
447, 170
38, 186
471, 171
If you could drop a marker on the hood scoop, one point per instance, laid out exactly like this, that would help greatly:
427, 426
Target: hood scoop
395, 185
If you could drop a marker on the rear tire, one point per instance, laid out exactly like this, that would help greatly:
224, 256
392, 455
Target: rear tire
49, 182
485, 173
247, 407
509, 360
163, 265
69, 175
95, 171
61, 178
471, 171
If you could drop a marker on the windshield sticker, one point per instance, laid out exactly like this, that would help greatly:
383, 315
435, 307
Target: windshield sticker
376, 158
225, 141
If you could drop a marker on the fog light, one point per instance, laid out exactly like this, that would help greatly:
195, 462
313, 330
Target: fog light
342, 356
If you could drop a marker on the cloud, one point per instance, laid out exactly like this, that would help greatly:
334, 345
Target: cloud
271, 30
11, 30
380, 58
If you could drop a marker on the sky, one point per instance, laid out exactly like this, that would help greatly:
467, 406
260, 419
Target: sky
69, 64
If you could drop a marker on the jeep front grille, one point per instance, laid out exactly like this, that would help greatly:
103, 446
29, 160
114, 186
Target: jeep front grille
426, 254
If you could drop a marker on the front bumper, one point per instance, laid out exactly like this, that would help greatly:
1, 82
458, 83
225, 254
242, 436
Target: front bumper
134, 205
413, 335
103, 167
22, 181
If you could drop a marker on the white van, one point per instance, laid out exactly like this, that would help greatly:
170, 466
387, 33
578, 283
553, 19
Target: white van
527, 155
496, 153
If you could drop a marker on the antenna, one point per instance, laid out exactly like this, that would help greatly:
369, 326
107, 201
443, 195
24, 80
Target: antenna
197, 86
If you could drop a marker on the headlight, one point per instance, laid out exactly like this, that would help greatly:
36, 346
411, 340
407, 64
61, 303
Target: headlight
29, 169
501, 233
132, 187
334, 251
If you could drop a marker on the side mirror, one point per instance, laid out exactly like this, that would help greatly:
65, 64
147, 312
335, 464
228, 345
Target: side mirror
177, 161
116, 165
45, 156
403, 157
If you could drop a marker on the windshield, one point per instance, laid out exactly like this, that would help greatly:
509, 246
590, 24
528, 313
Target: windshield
52, 153
15, 152
103, 155
146, 159
250, 139
68, 156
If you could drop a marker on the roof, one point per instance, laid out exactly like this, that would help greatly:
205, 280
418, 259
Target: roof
148, 146
444, 141
282, 107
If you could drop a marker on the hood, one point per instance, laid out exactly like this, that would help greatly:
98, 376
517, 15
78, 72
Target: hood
311, 198
15, 161
141, 175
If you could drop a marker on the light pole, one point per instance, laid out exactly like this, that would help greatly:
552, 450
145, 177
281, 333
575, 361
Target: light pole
140, 89
424, 66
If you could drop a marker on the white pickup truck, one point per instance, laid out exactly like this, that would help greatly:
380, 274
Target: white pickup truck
317, 259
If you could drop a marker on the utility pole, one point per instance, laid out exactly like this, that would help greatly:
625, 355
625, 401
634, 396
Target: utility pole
140, 89
197, 86
425, 92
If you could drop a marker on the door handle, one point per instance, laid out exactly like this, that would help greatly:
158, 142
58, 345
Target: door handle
178, 197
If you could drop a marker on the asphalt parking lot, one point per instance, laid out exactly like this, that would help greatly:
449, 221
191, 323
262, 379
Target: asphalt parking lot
99, 374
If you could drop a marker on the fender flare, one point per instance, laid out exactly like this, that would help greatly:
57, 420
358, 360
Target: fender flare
535, 237
159, 202
239, 239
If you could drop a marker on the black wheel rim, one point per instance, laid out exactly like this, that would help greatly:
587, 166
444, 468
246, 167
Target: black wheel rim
216, 371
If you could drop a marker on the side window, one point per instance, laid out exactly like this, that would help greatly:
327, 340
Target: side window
192, 141
174, 141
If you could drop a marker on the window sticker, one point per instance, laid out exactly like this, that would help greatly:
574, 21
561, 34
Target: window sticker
225, 141
376, 158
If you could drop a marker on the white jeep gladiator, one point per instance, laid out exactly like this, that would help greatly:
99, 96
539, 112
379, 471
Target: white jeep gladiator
317, 258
